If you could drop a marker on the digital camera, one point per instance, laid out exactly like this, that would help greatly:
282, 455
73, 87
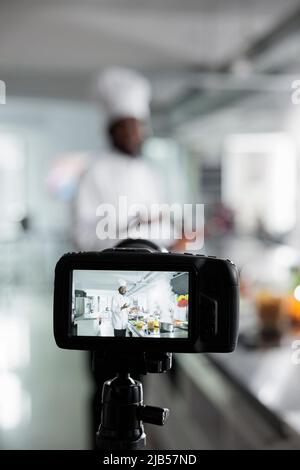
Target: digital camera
136, 300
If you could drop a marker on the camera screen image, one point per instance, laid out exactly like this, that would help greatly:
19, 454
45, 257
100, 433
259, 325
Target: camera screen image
128, 304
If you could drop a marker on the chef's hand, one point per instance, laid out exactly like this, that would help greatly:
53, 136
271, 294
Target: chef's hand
124, 306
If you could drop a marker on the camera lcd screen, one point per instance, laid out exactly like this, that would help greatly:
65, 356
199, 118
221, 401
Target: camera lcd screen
130, 304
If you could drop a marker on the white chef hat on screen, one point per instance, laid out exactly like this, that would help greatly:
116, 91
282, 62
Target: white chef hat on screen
124, 93
122, 283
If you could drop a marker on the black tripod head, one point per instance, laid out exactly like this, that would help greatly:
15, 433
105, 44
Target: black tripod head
123, 411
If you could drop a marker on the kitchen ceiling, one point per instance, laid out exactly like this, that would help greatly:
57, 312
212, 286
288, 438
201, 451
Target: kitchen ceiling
59, 45
76, 36
105, 280
110, 280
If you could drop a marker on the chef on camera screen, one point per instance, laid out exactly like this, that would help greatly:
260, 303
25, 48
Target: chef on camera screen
146, 304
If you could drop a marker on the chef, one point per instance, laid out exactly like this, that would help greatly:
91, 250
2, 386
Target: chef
119, 308
121, 170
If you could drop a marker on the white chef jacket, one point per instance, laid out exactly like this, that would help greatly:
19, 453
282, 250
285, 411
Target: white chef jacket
111, 176
119, 317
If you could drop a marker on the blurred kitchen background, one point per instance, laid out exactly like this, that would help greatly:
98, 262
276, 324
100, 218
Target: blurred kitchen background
224, 133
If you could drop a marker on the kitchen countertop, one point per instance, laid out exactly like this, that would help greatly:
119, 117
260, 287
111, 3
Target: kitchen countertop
83, 318
269, 375
136, 331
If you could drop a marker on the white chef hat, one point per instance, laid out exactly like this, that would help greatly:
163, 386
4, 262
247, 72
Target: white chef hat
124, 93
122, 283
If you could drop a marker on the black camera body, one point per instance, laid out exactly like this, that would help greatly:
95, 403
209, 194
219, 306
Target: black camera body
209, 287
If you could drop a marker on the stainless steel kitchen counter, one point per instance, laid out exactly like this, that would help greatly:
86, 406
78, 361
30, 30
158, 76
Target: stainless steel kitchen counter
179, 333
269, 376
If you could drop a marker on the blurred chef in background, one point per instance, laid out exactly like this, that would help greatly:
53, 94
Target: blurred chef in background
121, 171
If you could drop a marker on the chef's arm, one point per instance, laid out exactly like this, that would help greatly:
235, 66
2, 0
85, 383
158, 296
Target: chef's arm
165, 233
84, 220
126, 304
179, 236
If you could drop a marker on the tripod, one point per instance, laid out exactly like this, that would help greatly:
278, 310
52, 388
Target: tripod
123, 411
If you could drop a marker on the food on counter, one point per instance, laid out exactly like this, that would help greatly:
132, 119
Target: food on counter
183, 300
292, 309
270, 314
150, 323
292, 301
